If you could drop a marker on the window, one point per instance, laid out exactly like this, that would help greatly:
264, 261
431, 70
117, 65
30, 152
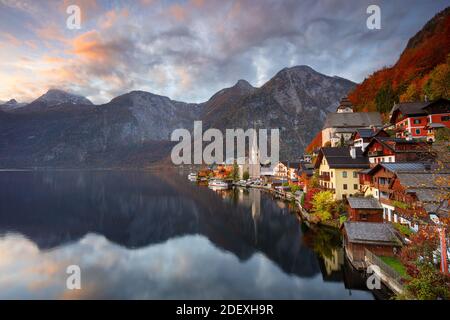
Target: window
417, 131
355, 174
345, 186
417, 121
344, 174
363, 217
445, 118
355, 186
331, 173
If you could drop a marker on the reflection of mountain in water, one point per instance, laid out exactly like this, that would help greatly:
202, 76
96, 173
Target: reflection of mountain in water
136, 209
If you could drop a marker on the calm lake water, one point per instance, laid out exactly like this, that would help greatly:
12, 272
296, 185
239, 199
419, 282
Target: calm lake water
139, 235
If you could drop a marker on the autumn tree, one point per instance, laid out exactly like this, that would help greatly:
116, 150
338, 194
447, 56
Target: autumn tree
322, 205
426, 282
438, 84
411, 94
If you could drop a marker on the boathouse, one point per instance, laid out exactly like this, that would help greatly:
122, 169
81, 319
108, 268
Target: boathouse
379, 238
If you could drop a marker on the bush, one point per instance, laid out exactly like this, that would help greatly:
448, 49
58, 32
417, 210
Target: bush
342, 219
294, 188
403, 229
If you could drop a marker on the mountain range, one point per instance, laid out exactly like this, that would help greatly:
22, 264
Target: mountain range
60, 129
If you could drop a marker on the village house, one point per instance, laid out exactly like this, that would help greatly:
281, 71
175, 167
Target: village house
408, 192
411, 118
305, 174
421, 197
378, 238
365, 209
433, 129
387, 149
344, 122
362, 137
293, 171
281, 170
338, 170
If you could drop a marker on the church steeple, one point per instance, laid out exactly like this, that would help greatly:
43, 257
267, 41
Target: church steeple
345, 106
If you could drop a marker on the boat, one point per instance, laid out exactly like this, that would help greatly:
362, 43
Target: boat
192, 176
218, 184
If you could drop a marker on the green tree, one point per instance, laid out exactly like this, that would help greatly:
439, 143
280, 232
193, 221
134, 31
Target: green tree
294, 188
385, 98
342, 141
322, 205
245, 175
315, 180
442, 135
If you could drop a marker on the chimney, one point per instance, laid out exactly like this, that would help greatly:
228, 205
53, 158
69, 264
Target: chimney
353, 152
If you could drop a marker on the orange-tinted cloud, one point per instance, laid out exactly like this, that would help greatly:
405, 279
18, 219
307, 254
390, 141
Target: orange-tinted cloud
10, 39
110, 18
178, 12
90, 46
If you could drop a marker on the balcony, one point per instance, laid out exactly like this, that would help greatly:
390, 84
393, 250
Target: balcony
384, 188
324, 177
376, 153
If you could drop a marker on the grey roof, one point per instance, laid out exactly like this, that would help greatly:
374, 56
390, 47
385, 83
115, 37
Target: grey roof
364, 203
366, 133
410, 108
345, 130
442, 210
371, 233
436, 125
420, 180
398, 167
429, 195
339, 157
353, 119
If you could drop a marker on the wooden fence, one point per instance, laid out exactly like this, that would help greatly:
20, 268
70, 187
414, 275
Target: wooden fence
387, 270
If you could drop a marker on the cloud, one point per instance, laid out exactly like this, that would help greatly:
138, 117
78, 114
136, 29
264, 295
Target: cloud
190, 49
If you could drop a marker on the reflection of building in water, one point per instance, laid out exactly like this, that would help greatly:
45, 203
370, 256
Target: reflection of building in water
255, 195
335, 262
254, 163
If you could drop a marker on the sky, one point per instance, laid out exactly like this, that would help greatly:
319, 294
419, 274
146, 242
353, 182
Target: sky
190, 49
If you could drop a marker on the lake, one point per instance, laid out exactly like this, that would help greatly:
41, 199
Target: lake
149, 235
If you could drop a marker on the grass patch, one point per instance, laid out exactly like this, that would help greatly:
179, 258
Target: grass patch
395, 264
